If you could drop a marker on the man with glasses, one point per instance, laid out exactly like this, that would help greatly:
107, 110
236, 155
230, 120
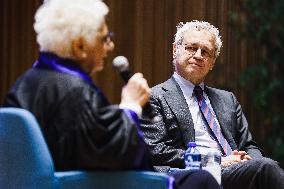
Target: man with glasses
213, 118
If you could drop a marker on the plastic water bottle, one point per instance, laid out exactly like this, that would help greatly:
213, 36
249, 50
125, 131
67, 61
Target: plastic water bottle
212, 163
192, 157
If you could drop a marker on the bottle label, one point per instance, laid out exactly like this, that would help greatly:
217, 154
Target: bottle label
192, 161
192, 157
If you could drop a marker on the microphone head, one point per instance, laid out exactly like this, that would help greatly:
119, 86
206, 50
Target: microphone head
121, 63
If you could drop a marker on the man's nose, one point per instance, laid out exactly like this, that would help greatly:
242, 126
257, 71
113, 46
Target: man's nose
198, 53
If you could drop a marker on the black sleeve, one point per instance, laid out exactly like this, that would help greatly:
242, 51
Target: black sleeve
101, 136
81, 129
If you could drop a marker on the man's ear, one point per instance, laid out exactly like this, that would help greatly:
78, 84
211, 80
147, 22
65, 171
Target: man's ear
213, 64
174, 50
79, 48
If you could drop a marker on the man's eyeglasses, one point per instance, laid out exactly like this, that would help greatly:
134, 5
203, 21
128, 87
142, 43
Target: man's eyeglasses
192, 50
108, 38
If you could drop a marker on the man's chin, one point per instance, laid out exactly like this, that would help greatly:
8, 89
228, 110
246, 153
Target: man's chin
195, 66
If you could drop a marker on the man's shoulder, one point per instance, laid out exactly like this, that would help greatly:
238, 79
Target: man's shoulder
216, 93
162, 87
218, 90
158, 88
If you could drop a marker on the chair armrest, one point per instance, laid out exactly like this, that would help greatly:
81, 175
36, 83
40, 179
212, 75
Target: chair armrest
113, 179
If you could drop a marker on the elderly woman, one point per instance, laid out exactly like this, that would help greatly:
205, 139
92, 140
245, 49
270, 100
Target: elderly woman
82, 129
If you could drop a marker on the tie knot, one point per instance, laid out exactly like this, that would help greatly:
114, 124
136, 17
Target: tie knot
198, 92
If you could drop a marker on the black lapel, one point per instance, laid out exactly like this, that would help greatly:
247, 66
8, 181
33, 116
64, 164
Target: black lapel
220, 111
177, 103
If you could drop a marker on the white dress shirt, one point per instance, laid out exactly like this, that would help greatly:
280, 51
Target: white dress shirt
203, 139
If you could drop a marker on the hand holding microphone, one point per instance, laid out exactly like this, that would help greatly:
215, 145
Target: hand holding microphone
136, 92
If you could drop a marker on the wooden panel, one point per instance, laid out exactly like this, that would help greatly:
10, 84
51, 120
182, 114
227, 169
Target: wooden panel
144, 31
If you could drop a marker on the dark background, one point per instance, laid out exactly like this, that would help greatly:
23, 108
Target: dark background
144, 31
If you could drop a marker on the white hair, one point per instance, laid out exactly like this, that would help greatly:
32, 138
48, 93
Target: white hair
59, 22
198, 25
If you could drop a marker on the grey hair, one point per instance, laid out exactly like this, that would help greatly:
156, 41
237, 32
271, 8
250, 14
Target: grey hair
198, 25
59, 22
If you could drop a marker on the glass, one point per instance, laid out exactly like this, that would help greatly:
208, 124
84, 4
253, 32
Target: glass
212, 163
108, 37
192, 50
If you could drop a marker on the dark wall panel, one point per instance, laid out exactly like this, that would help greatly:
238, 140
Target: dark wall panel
144, 31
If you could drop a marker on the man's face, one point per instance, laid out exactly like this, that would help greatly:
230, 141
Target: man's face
195, 56
98, 52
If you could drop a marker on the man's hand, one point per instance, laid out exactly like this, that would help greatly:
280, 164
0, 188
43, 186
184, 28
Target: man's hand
230, 160
243, 155
236, 157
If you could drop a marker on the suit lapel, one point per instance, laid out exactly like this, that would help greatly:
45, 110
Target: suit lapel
220, 112
177, 103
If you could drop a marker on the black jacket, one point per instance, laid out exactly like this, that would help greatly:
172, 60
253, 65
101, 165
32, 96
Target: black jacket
81, 129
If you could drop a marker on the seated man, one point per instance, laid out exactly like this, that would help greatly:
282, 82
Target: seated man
81, 128
191, 111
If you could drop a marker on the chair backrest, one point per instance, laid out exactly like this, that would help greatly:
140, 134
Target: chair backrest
25, 161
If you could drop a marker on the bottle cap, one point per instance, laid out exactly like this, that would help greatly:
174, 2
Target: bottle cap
191, 144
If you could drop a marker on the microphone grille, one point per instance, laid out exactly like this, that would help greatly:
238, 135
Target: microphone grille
120, 62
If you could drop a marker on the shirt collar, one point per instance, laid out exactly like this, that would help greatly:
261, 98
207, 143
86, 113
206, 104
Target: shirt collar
186, 85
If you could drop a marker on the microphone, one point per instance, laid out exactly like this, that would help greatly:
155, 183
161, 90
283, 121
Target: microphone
122, 65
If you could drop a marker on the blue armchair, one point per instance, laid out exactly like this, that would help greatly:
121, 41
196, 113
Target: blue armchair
25, 162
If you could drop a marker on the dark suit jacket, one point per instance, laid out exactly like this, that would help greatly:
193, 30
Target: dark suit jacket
82, 130
168, 137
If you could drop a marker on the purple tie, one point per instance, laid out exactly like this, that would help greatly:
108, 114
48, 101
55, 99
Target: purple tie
211, 121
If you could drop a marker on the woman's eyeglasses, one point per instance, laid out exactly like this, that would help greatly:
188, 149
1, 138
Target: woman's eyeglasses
108, 38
